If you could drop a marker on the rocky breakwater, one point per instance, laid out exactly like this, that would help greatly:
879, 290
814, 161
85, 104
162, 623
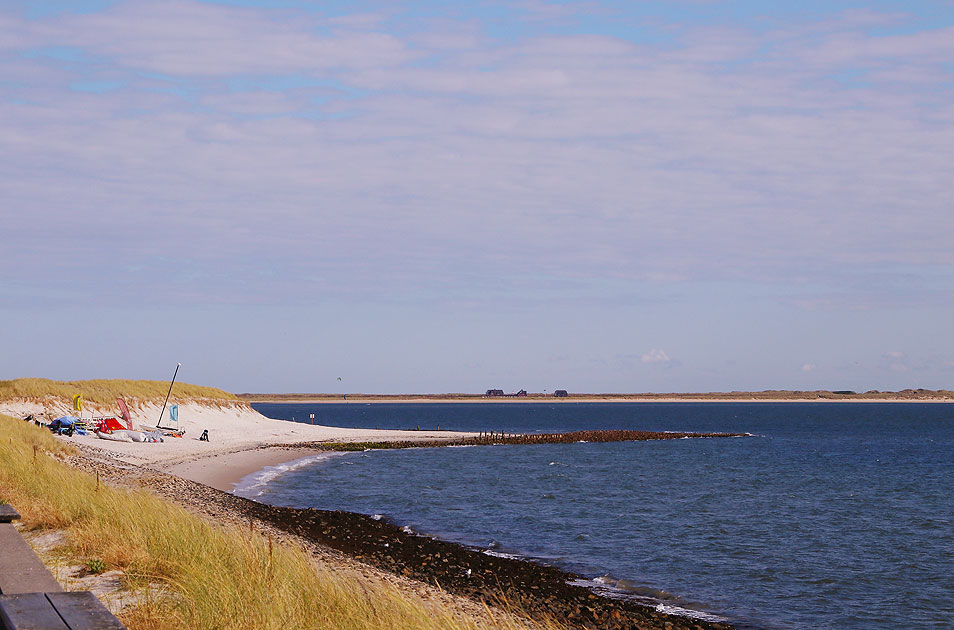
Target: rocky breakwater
491, 438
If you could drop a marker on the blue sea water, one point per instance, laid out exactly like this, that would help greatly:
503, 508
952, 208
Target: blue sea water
829, 516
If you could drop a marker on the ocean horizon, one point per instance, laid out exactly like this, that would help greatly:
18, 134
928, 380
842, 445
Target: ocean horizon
827, 516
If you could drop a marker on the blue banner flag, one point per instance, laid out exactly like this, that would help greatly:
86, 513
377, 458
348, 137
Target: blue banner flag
174, 413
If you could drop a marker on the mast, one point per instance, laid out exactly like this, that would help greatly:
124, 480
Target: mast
178, 365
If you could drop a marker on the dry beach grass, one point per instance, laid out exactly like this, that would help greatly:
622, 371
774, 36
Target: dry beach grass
191, 572
106, 391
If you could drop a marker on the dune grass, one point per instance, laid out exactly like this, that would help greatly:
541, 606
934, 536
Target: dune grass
208, 576
106, 391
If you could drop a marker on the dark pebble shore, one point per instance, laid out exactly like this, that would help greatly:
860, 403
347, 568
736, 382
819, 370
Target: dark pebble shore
458, 569
538, 589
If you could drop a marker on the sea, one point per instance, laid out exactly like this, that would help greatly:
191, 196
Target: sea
826, 516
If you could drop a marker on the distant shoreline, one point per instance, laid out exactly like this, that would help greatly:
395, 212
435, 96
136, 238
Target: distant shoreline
904, 396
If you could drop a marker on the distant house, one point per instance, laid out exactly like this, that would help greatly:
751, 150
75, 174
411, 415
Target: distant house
560, 393
522, 393
494, 392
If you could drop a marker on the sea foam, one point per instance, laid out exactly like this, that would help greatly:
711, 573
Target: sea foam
254, 485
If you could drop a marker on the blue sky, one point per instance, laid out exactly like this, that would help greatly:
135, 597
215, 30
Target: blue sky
599, 196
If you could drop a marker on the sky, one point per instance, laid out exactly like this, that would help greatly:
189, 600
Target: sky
424, 197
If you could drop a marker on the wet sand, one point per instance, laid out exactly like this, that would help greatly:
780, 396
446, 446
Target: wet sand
223, 471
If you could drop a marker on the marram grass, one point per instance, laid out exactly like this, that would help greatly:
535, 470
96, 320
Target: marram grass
106, 391
199, 575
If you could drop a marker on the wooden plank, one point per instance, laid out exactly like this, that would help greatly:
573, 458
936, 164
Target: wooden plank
82, 611
21, 570
7, 513
29, 611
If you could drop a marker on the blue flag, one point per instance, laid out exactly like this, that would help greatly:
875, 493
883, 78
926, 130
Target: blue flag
174, 413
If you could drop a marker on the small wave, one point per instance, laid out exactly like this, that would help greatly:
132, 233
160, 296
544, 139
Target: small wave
646, 591
611, 588
687, 612
489, 551
377, 517
254, 485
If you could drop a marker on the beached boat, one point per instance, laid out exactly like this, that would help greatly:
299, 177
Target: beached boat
115, 436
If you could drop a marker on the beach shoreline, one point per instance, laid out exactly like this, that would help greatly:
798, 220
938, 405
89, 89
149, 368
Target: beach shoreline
202, 476
225, 471
235, 430
377, 547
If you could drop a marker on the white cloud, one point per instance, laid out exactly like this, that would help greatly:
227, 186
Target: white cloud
622, 161
193, 39
656, 356
896, 361
255, 103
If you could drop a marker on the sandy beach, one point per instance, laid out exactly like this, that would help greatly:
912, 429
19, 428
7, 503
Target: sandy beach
241, 440
223, 471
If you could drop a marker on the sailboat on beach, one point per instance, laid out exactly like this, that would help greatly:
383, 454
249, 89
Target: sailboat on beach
173, 412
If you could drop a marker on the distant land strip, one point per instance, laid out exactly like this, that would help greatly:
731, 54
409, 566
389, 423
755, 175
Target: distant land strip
904, 395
